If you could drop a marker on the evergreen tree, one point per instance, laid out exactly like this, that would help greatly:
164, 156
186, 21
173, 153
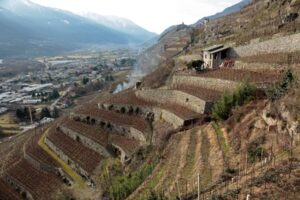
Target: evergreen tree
85, 80
45, 113
54, 94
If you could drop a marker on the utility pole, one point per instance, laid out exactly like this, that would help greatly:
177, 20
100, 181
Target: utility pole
30, 114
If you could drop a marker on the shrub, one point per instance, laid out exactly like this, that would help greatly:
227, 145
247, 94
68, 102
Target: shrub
137, 111
45, 113
222, 109
255, 150
124, 185
123, 110
54, 94
228, 174
196, 64
111, 107
255, 153
85, 80
155, 196
216, 197
282, 87
130, 110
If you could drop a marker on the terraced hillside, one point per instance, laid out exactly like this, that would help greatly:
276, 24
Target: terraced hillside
268, 17
27, 172
187, 154
160, 137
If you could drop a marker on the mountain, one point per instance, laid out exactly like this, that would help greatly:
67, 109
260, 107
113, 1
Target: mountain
226, 11
231, 9
28, 29
122, 25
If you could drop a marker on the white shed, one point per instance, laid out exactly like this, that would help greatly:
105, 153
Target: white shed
215, 55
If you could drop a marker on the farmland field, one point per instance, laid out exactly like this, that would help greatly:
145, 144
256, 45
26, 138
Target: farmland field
8, 125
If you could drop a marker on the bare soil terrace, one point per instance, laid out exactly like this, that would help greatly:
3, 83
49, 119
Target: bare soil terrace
84, 157
132, 121
39, 183
238, 75
95, 133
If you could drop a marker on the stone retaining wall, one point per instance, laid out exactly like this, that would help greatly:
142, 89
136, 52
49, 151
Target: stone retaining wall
285, 44
43, 167
36, 164
87, 142
172, 118
258, 66
123, 156
167, 97
18, 186
159, 113
122, 129
68, 160
135, 109
210, 83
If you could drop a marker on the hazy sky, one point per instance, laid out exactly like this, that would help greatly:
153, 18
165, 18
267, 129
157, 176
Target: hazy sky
154, 15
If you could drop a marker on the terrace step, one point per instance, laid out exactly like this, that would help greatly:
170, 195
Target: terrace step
98, 136
82, 159
39, 158
206, 94
33, 150
219, 85
90, 136
7, 192
164, 97
126, 146
132, 126
225, 78
36, 183
128, 102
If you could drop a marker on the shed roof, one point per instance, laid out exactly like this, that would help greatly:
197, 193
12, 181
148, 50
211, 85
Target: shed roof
219, 50
213, 48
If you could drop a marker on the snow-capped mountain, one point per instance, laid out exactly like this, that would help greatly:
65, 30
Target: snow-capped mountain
30, 29
120, 24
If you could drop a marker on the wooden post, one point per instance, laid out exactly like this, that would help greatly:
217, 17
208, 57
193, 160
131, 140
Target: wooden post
246, 166
272, 154
251, 176
261, 159
238, 181
186, 187
291, 155
178, 190
198, 186
227, 186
